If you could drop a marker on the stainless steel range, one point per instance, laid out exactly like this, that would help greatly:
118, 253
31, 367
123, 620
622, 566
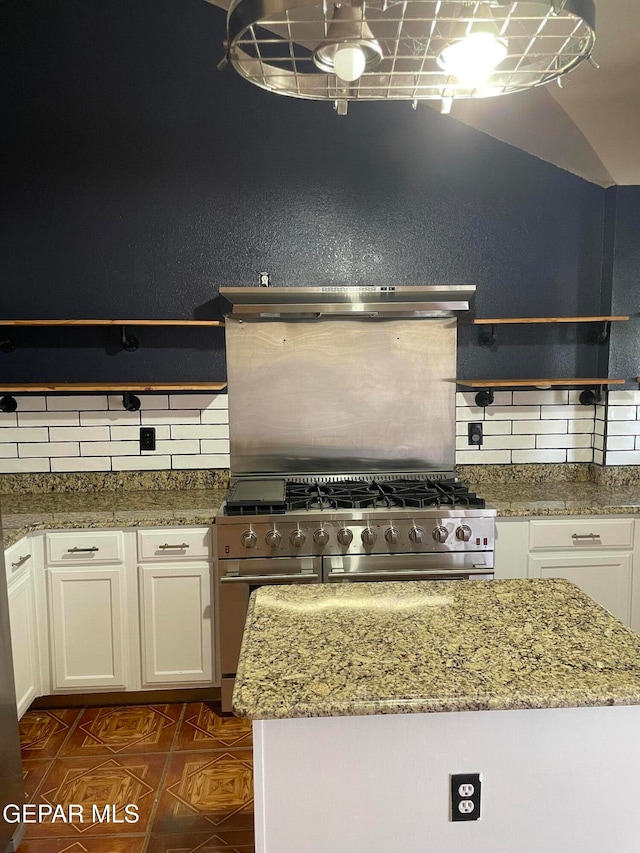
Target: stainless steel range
342, 428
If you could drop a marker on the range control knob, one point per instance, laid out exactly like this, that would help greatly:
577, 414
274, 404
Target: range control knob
248, 539
392, 535
297, 538
440, 533
463, 533
272, 538
369, 536
416, 534
345, 536
321, 537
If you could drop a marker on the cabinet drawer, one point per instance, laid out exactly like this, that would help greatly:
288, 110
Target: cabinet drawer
581, 533
18, 559
170, 543
83, 547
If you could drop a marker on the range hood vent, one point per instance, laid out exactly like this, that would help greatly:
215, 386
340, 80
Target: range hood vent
368, 301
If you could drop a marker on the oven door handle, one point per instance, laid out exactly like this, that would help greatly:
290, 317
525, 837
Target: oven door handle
441, 574
298, 578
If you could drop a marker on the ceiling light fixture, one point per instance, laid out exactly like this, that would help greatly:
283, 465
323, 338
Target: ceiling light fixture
368, 50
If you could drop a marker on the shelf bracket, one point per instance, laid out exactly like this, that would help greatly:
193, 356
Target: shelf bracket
128, 341
487, 336
7, 345
484, 398
130, 402
591, 396
8, 403
605, 332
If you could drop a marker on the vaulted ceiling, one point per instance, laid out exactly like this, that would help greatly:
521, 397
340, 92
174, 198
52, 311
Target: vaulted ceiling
591, 126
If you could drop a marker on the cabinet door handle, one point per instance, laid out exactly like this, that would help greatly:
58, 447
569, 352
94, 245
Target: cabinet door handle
165, 546
75, 550
20, 561
585, 536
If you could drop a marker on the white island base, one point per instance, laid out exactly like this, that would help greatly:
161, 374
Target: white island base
563, 780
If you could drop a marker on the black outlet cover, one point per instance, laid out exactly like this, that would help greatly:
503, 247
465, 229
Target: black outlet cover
475, 434
147, 438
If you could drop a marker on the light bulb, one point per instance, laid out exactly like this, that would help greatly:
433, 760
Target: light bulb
474, 58
349, 61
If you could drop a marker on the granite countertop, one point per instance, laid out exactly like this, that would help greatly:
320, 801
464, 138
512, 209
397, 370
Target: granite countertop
559, 498
428, 646
22, 514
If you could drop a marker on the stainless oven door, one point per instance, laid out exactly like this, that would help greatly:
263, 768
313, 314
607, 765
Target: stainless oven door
406, 567
236, 581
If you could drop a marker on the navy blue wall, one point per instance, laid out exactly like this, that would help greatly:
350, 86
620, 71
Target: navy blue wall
138, 179
625, 339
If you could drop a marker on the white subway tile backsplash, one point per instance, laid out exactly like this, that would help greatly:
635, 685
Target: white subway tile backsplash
565, 440
623, 457
470, 413
23, 434
50, 448
198, 401
581, 425
81, 403
623, 413
147, 401
179, 446
497, 427
48, 419
30, 403
624, 398
142, 463
110, 448
573, 412
512, 413
81, 463
109, 418
8, 419
132, 433
500, 442
598, 457
215, 446
621, 442
8, 451
598, 441
204, 431
599, 427
173, 416
538, 427
623, 428
466, 398
580, 455
19, 466
79, 433
208, 461
546, 456
483, 457
215, 416
546, 398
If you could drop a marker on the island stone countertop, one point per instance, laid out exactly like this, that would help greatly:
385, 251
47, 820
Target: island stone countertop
430, 646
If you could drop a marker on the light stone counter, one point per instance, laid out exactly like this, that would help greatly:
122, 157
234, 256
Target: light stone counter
431, 646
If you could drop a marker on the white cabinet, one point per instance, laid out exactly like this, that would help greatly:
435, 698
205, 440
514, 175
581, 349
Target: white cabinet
87, 622
176, 623
606, 578
24, 640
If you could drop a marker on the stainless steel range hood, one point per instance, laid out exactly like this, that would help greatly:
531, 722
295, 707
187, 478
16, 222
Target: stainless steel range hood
367, 301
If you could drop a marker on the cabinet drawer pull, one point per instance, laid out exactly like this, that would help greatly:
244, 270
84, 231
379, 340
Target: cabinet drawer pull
76, 550
585, 536
165, 546
20, 561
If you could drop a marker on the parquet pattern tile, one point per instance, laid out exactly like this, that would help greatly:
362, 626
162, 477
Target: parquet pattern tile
188, 768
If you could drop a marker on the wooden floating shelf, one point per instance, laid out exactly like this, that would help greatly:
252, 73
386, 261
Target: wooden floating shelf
535, 383
495, 321
111, 322
121, 387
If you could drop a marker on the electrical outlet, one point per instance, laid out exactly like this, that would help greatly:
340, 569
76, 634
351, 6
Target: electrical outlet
147, 438
474, 432
465, 796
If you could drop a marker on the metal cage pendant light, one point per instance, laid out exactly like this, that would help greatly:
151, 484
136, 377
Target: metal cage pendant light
372, 50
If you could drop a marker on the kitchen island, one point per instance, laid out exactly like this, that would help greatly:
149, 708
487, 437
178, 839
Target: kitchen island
367, 697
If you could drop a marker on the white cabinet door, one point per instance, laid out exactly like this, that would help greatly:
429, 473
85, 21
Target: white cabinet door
176, 613
24, 641
87, 610
607, 578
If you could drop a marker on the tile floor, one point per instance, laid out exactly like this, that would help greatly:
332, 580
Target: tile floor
187, 768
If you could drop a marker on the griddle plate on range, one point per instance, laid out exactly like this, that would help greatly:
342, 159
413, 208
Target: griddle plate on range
256, 497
